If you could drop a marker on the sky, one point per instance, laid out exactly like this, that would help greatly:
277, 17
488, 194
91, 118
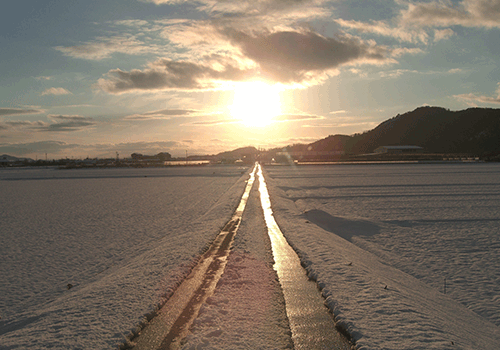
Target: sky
91, 78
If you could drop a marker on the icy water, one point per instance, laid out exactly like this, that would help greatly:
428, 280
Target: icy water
436, 222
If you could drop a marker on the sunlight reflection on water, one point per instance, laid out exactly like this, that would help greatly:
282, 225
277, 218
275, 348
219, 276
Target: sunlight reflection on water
310, 321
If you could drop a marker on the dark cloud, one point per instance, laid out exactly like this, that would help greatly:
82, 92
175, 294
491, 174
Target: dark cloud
290, 56
287, 57
25, 123
168, 74
67, 123
18, 111
59, 123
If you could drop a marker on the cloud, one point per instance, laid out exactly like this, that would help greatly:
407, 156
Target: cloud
467, 13
26, 124
303, 57
68, 123
161, 2
342, 125
444, 13
59, 149
58, 123
472, 99
19, 111
341, 111
171, 75
398, 52
21, 149
279, 118
161, 114
104, 47
399, 72
296, 117
43, 78
384, 29
443, 34
215, 122
287, 57
56, 91
245, 8
298, 140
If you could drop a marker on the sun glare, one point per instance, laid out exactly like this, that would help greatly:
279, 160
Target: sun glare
255, 103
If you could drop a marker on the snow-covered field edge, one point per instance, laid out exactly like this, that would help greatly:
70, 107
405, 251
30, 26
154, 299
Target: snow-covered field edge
380, 306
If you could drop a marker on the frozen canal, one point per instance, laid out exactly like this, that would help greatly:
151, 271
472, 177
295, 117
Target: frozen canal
379, 239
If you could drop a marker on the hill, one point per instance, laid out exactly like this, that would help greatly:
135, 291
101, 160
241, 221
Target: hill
245, 154
438, 130
5, 158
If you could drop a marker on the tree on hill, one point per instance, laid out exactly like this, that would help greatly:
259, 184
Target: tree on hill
437, 130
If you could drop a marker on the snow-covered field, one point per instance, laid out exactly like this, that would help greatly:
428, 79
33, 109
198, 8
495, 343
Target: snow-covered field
382, 239
121, 237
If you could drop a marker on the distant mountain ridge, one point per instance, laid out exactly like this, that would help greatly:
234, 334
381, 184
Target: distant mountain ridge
436, 129
7, 158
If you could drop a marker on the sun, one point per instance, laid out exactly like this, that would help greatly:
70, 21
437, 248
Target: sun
255, 103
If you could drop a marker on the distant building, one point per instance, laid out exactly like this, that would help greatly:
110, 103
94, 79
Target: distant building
399, 149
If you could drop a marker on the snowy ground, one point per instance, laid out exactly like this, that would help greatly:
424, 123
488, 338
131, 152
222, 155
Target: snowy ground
121, 237
381, 239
